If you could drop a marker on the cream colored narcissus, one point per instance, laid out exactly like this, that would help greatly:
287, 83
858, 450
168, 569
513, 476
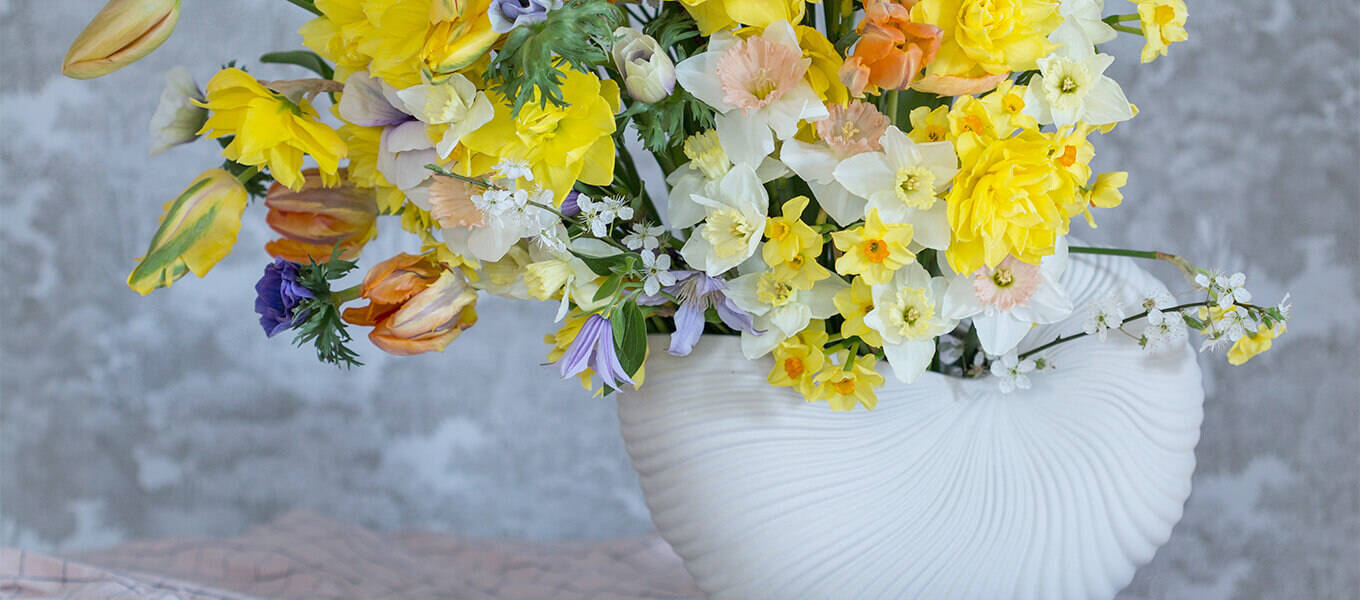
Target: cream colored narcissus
1007, 301
707, 165
908, 315
733, 226
902, 182
780, 308
850, 130
1071, 87
757, 86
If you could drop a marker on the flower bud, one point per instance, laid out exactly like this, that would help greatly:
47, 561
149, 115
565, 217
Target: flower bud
415, 305
121, 34
313, 219
177, 119
197, 229
648, 74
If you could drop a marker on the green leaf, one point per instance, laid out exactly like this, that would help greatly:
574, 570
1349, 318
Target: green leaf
630, 337
604, 266
609, 286
303, 58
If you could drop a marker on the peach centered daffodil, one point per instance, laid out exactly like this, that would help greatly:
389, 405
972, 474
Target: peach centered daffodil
901, 183
1007, 301
849, 130
757, 86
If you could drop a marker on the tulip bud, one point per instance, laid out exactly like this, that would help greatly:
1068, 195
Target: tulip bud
313, 219
177, 119
121, 34
415, 305
648, 74
198, 229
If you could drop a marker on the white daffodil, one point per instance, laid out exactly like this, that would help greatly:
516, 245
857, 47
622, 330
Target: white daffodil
757, 86
1007, 301
700, 176
850, 130
406, 117
779, 307
902, 182
1082, 26
735, 221
554, 272
177, 119
1071, 87
907, 315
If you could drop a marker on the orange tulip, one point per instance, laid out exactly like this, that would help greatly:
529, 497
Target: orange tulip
416, 305
313, 219
892, 50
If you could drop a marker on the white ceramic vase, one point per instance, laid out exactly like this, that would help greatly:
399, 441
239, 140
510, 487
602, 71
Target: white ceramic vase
949, 489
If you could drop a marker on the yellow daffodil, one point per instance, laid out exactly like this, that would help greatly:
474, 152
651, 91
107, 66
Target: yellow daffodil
788, 235
1006, 105
842, 388
336, 33
1163, 23
798, 359
1250, 345
197, 229
823, 73
713, 15
803, 270
853, 303
269, 129
1105, 193
874, 250
562, 144
929, 124
984, 39
1012, 196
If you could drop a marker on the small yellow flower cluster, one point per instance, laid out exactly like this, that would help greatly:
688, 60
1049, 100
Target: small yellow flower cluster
801, 362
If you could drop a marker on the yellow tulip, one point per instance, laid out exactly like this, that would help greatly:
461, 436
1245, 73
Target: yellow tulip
198, 229
121, 34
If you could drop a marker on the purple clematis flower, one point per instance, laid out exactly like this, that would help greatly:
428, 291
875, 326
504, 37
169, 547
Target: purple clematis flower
696, 292
278, 292
594, 348
570, 207
509, 14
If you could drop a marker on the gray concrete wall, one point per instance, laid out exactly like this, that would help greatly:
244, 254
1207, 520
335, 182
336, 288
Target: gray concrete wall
124, 417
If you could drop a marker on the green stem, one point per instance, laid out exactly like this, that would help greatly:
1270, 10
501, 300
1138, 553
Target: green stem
1127, 29
308, 5
832, 14
342, 296
1187, 269
890, 105
1064, 339
247, 174
447, 173
1112, 19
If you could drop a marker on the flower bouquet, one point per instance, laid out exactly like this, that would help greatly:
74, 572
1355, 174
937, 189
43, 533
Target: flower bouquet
841, 184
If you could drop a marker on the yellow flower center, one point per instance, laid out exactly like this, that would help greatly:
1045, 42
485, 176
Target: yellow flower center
728, 231
848, 130
910, 313
845, 386
974, 124
1164, 14
793, 367
777, 229
1003, 278
773, 290
1067, 84
797, 262
540, 122
1013, 103
762, 85
916, 187
876, 250
1069, 156
707, 155
935, 133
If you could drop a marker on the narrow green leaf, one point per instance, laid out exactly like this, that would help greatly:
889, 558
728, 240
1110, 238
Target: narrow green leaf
303, 58
630, 337
609, 286
602, 265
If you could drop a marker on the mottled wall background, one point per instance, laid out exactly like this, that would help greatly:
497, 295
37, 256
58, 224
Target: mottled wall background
124, 417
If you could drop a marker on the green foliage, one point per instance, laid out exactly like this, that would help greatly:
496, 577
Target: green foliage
663, 125
630, 337
577, 36
323, 326
605, 266
675, 31
303, 58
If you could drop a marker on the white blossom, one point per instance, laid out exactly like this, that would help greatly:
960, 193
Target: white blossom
1102, 315
656, 267
1223, 288
644, 237
601, 214
512, 168
1012, 373
1164, 330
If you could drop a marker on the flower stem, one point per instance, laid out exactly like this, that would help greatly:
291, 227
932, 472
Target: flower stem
447, 173
1127, 29
1187, 269
247, 174
339, 297
1112, 19
1064, 339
